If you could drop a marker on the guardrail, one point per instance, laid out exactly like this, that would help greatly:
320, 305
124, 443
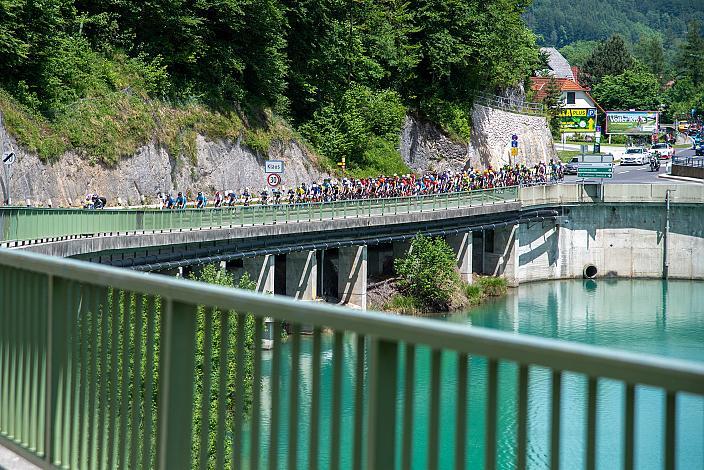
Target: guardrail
30, 224
688, 161
508, 104
107, 368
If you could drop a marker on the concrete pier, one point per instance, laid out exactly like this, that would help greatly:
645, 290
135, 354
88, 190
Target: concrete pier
462, 245
302, 275
501, 254
261, 271
352, 276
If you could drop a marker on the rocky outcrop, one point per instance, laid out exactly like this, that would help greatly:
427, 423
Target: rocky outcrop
425, 147
221, 165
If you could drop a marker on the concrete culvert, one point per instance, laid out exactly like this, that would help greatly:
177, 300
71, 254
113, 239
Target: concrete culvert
590, 271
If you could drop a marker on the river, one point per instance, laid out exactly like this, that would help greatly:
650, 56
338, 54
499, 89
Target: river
648, 316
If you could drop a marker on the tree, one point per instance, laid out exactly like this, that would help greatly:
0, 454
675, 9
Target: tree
689, 58
651, 53
428, 272
633, 89
611, 57
553, 106
578, 52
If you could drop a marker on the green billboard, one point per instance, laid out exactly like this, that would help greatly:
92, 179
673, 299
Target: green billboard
578, 120
632, 122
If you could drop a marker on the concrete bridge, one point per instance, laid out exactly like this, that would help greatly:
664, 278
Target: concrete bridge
330, 251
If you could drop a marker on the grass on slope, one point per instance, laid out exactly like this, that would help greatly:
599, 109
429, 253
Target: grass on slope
116, 116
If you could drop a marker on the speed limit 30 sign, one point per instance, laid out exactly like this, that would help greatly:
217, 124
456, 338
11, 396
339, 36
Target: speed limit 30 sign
273, 180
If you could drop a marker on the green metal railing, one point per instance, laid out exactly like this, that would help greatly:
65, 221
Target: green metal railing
30, 224
108, 368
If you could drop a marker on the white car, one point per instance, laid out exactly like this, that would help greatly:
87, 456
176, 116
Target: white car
635, 156
663, 151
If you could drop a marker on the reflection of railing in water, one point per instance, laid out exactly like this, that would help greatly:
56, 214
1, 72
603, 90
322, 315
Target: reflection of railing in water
78, 389
34, 224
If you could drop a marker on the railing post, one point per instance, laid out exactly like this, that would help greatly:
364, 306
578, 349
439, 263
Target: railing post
177, 362
58, 342
382, 405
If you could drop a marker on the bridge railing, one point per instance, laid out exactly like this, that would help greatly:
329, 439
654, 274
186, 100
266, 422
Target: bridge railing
107, 368
33, 224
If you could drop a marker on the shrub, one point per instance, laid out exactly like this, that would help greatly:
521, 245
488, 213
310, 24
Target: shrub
428, 273
493, 286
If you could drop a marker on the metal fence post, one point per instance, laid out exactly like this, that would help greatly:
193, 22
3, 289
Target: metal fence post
58, 322
382, 405
177, 362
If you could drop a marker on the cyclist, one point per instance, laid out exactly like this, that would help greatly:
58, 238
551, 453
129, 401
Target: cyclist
181, 201
201, 200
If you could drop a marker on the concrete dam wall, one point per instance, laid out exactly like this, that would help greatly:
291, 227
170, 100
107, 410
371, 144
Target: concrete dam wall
619, 240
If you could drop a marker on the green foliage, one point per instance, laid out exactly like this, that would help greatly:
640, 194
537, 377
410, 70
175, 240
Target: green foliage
362, 126
106, 77
562, 22
428, 273
553, 106
689, 57
650, 52
404, 304
210, 325
633, 89
611, 57
493, 286
578, 52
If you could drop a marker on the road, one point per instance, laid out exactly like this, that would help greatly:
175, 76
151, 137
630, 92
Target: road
638, 174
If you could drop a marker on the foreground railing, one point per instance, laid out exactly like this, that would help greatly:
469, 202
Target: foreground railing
30, 224
106, 368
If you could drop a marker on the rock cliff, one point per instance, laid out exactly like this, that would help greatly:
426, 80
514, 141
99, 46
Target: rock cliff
425, 147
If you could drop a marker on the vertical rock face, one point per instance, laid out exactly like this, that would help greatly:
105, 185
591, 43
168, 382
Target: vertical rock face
425, 147
136, 180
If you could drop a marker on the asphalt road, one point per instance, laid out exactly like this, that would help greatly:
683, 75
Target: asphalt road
638, 174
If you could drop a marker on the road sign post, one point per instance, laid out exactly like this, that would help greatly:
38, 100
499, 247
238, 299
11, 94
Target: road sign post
595, 166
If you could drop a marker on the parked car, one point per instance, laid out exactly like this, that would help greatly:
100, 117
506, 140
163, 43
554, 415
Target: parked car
572, 166
663, 151
635, 156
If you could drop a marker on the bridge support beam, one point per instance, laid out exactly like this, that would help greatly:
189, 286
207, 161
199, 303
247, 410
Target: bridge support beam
352, 276
261, 271
502, 260
462, 245
302, 275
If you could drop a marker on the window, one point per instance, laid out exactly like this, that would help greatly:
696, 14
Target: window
571, 99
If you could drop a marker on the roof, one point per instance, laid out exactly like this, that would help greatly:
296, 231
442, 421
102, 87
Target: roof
539, 85
559, 67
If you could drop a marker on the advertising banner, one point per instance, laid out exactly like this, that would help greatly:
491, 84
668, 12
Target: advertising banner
632, 122
578, 120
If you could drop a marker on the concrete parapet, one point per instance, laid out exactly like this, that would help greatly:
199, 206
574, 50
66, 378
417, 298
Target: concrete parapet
302, 275
352, 276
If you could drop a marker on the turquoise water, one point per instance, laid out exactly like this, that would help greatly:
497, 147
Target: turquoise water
665, 319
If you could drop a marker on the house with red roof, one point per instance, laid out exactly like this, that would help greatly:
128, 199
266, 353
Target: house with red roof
579, 111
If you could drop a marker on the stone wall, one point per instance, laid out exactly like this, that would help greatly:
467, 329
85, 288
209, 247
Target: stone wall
425, 147
221, 165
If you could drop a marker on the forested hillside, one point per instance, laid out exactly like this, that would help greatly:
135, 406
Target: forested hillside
104, 77
562, 22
